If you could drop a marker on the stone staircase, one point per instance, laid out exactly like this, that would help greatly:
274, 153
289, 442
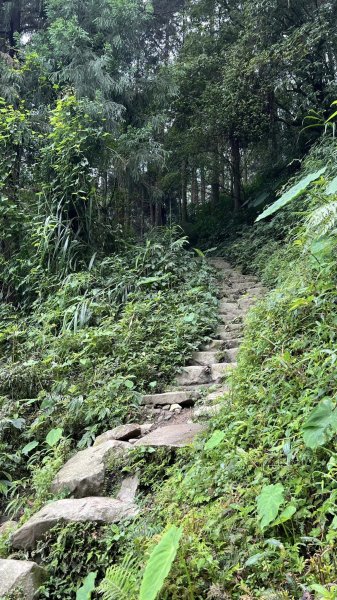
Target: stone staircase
172, 419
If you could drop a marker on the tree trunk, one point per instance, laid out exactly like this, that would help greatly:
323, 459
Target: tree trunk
236, 172
202, 185
14, 26
184, 192
194, 186
215, 185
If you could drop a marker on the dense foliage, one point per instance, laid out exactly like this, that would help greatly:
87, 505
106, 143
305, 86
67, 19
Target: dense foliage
120, 120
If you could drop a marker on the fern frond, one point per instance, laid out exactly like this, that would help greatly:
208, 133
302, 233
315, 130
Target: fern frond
322, 220
120, 581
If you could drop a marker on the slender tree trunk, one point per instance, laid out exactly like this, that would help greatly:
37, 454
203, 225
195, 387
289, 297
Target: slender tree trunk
215, 185
236, 172
194, 186
184, 192
15, 26
202, 185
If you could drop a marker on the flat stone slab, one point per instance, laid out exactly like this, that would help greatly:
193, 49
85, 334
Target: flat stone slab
172, 436
220, 370
122, 433
83, 474
193, 376
204, 358
232, 343
219, 393
21, 575
170, 398
84, 510
226, 333
228, 307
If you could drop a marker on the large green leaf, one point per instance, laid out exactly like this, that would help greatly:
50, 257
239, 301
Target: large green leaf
292, 193
269, 502
320, 425
159, 564
54, 436
215, 439
85, 591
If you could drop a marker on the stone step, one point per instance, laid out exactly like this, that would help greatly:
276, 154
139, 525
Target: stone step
221, 370
121, 433
232, 343
83, 474
213, 345
183, 398
204, 358
193, 376
226, 333
84, 510
172, 436
231, 354
230, 307
21, 576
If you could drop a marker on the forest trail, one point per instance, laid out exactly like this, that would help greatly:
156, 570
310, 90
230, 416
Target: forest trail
171, 419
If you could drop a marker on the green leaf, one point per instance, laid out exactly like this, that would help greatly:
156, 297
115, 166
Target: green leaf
332, 187
292, 193
54, 436
85, 591
285, 515
159, 564
215, 439
320, 425
269, 502
29, 447
256, 558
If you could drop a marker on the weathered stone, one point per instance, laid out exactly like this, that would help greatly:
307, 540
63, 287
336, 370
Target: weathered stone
83, 475
230, 307
173, 436
170, 398
175, 408
220, 370
128, 490
226, 333
213, 345
121, 433
231, 354
206, 411
146, 428
20, 575
233, 343
7, 526
204, 358
193, 376
92, 509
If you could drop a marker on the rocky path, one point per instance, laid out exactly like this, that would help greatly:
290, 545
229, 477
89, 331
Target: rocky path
172, 419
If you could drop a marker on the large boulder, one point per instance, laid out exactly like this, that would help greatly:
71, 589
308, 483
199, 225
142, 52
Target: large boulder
172, 436
83, 474
92, 509
22, 576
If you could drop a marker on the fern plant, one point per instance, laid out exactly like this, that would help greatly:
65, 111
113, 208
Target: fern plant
121, 581
321, 221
